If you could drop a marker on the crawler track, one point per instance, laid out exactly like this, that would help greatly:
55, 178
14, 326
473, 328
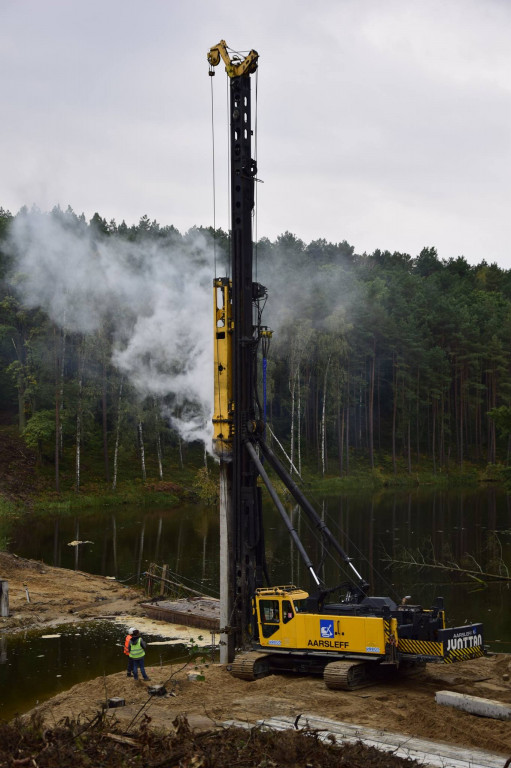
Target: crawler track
346, 675
251, 666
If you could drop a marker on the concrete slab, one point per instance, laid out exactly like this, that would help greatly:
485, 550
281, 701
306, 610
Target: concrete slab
475, 705
424, 751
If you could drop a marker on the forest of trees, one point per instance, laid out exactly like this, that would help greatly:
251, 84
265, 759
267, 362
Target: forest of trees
384, 356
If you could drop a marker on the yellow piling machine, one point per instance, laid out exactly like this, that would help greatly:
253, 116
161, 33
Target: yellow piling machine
342, 633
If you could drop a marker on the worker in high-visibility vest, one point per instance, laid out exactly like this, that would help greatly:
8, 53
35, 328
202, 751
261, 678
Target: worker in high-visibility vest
127, 651
137, 647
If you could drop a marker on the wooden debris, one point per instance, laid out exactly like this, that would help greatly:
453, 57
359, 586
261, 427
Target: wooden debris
123, 739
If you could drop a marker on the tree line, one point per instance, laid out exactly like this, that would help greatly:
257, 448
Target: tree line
385, 356
408, 356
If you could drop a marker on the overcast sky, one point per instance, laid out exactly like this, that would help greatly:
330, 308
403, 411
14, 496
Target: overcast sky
382, 122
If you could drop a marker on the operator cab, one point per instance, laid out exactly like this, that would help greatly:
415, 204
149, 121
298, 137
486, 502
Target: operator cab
278, 606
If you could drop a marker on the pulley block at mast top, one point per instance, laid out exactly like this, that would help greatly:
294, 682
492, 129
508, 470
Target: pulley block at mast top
235, 66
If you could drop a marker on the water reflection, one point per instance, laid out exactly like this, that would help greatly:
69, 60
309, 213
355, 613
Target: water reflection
124, 543
469, 527
34, 668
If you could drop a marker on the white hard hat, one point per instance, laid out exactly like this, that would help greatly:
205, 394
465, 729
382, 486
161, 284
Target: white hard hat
131, 630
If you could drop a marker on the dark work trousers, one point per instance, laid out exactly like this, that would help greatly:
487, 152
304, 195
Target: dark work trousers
139, 664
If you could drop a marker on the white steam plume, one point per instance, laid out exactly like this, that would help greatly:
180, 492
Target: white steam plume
156, 296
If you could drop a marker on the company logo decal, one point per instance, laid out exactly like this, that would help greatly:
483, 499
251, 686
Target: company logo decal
338, 645
460, 641
326, 627
274, 642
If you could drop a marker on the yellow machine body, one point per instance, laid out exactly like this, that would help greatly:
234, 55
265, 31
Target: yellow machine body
223, 396
284, 624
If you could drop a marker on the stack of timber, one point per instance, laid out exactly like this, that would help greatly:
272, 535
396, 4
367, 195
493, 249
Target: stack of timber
201, 612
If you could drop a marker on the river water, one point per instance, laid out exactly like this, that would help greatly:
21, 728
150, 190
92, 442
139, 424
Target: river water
469, 527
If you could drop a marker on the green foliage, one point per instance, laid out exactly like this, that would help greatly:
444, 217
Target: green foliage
495, 473
40, 430
200, 659
502, 418
206, 486
7, 508
389, 367
8, 512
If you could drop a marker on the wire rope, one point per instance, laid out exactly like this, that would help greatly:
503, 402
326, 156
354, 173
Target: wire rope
256, 112
213, 172
229, 212
215, 293
351, 546
187, 581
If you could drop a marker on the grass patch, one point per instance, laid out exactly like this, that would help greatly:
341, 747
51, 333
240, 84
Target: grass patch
71, 502
7, 507
363, 478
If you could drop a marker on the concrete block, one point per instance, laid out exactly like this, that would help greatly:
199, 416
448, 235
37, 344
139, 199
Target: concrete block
156, 690
116, 702
474, 705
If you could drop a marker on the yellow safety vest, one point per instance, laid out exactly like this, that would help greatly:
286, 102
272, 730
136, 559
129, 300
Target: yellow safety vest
136, 650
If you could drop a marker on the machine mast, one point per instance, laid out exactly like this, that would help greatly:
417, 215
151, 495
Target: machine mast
236, 345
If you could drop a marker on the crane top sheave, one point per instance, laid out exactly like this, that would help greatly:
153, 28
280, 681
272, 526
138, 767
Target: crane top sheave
235, 66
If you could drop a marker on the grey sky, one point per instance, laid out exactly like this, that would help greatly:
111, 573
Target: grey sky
382, 122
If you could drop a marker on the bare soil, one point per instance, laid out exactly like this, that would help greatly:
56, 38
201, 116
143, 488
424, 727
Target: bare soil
58, 595
405, 705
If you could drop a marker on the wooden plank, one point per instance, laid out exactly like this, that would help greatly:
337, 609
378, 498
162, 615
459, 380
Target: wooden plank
163, 579
123, 740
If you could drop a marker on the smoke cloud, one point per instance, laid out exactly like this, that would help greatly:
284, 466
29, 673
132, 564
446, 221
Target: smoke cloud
157, 297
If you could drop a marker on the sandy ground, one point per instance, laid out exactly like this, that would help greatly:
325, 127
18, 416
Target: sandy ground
58, 595
404, 705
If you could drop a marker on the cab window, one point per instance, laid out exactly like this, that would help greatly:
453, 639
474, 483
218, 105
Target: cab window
270, 616
299, 605
287, 611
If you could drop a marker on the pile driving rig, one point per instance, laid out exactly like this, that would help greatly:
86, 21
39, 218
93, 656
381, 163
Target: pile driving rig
287, 628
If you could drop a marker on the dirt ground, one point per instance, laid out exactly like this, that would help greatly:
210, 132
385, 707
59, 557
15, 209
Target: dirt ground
58, 595
404, 705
